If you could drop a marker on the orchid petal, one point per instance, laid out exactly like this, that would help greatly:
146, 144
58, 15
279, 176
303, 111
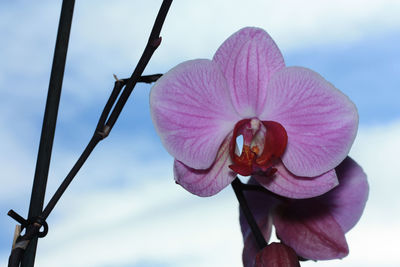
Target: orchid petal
319, 218
192, 112
346, 202
248, 59
311, 231
286, 184
207, 182
320, 121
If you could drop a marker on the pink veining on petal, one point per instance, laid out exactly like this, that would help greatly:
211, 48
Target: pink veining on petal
286, 184
192, 112
210, 181
321, 122
311, 231
248, 59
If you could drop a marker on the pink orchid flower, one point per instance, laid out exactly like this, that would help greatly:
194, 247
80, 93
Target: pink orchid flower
296, 126
313, 227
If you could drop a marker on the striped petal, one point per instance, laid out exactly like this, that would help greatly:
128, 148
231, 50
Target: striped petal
192, 112
286, 184
210, 181
248, 59
313, 233
321, 122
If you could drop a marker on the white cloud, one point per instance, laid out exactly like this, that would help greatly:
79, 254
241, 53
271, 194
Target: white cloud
157, 222
109, 37
197, 27
113, 34
376, 149
16, 165
193, 28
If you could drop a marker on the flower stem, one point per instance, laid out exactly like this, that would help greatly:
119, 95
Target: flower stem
238, 188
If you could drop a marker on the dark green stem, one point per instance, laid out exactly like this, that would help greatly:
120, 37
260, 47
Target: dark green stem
238, 188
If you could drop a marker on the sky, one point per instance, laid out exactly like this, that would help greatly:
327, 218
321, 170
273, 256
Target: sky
123, 208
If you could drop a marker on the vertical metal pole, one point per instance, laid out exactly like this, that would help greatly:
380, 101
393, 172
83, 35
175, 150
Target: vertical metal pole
49, 123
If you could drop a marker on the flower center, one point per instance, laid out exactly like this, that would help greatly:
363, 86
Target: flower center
264, 142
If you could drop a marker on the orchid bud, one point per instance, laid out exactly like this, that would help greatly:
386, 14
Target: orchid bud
277, 255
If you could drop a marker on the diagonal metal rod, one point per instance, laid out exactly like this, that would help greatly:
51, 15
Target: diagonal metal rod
152, 44
104, 126
106, 122
49, 123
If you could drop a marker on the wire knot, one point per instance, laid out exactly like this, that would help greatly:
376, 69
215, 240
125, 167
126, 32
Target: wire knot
103, 132
36, 221
39, 222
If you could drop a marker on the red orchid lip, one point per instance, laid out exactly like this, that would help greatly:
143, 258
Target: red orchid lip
252, 160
